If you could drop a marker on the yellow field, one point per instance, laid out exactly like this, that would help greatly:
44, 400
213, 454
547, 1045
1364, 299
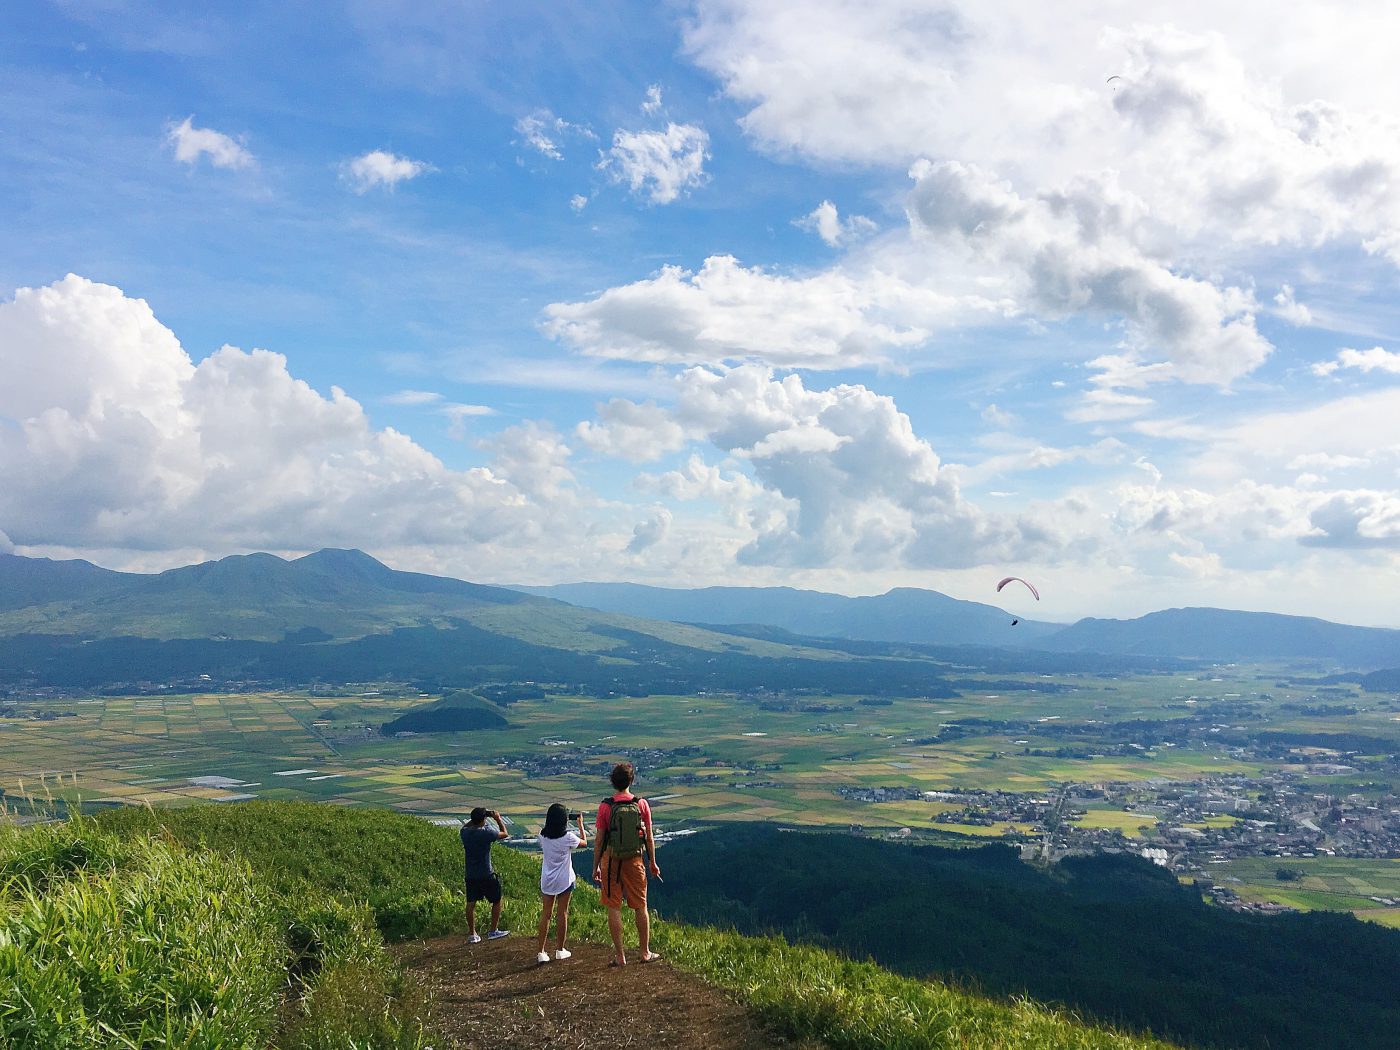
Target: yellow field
1130, 824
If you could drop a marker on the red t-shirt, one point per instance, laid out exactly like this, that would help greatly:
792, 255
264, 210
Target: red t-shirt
605, 812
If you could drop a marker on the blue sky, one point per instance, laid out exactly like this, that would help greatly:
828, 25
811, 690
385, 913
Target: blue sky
832, 295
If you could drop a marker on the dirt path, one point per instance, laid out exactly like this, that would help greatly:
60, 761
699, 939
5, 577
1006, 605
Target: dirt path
494, 996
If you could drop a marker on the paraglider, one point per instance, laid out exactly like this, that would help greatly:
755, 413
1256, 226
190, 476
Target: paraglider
1025, 583
1016, 579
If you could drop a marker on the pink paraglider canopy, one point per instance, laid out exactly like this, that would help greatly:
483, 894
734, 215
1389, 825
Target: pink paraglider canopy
1030, 587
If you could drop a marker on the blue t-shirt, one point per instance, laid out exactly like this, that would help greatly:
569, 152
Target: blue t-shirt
477, 844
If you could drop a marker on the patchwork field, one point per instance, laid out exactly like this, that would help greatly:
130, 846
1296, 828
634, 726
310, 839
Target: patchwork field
1370, 889
701, 758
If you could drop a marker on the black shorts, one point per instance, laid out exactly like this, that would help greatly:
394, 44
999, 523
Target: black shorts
488, 889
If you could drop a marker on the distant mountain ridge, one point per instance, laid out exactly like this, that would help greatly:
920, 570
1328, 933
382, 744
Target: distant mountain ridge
909, 615
905, 614
1219, 634
338, 595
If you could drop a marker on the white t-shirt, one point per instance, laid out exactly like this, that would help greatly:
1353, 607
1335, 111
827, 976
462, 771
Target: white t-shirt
557, 873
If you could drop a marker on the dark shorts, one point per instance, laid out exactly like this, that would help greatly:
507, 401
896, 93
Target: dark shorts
488, 889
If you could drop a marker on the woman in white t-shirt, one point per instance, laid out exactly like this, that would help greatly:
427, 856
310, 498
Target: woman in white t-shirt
557, 843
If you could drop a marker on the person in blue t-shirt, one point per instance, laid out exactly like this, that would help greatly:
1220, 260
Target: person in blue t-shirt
482, 881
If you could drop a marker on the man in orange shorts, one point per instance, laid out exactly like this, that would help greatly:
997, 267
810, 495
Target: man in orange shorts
623, 836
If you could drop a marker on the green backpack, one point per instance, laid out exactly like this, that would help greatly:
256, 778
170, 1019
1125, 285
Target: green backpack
625, 836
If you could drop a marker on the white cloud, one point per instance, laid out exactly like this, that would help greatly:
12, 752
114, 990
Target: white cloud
1076, 249
652, 102
458, 415
119, 441
650, 532
660, 165
842, 478
380, 169
545, 133
825, 221
634, 432
191, 143
1290, 309
727, 312
578, 202
1376, 359
414, 397
1000, 417
6, 544
1361, 520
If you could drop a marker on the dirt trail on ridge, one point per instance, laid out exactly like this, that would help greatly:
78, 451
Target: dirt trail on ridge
494, 996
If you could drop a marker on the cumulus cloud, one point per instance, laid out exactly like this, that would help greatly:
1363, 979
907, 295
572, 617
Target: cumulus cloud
6, 544
728, 312
119, 441
192, 143
578, 202
1076, 249
1361, 520
825, 221
652, 102
1376, 359
1218, 142
380, 169
634, 432
838, 477
659, 165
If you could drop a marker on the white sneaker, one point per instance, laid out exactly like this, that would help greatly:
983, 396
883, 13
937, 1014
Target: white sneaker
563, 953
474, 939
496, 935
542, 957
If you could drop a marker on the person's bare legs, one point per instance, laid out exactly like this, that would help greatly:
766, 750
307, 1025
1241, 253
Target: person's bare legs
561, 920
615, 928
546, 906
643, 932
496, 915
471, 918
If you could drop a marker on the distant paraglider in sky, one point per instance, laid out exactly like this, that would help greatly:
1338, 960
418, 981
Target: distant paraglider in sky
1016, 579
1029, 586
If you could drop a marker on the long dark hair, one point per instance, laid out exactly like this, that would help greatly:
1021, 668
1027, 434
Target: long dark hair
556, 821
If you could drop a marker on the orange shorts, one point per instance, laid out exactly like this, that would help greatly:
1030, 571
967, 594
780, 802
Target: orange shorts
624, 877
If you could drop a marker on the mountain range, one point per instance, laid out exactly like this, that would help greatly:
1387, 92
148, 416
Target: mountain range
337, 596
930, 618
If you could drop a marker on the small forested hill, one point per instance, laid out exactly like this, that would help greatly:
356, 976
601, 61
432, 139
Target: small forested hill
1111, 936
905, 614
1220, 634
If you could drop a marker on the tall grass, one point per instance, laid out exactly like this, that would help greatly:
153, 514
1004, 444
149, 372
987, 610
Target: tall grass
118, 941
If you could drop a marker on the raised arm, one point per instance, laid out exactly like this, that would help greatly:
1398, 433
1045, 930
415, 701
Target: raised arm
582, 832
504, 834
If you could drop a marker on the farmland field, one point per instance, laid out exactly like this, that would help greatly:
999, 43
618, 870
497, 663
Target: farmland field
701, 758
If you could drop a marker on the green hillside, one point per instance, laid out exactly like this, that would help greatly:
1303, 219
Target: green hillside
254, 925
332, 595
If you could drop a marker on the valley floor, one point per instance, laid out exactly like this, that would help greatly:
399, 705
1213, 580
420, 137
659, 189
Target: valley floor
494, 995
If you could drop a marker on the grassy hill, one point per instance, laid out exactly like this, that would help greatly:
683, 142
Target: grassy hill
339, 616
261, 925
